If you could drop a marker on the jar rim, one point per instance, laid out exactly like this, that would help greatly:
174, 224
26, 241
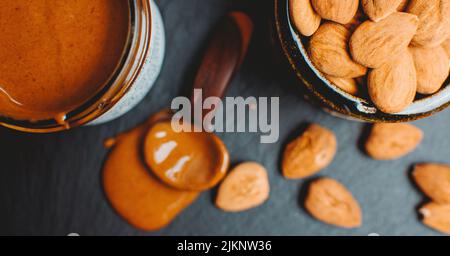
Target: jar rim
336, 99
120, 81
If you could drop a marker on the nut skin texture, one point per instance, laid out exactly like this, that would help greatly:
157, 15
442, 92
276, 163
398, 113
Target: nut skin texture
434, 180
380, 9
349, 85
328, 51
330, 202
431, 67
310, 153
392, 87
437, 216
434, 21
340, 11
403, 5
305, 19
245, 187
375, 43
392, 141
446, 46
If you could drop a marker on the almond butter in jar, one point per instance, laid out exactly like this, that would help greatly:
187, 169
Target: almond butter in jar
69, 63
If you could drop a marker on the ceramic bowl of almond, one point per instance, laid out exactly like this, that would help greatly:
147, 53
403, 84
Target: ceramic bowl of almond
372, 60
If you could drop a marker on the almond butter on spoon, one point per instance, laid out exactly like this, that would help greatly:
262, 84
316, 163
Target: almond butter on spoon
330, 202
245, 187
309, 153
391, 141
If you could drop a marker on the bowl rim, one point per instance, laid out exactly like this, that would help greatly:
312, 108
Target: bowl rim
332, 97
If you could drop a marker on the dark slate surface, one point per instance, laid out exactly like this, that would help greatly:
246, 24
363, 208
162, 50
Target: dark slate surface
50, 184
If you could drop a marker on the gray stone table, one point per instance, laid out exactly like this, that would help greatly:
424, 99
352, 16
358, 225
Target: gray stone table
50, 183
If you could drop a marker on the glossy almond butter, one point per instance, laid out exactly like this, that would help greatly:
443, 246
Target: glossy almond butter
437, 216
391, 141
434, 180
330, 202
310, 153
375, 43
434, 21
328, 51
245, 187
431, 67
340, 11
380, 9
392, 86
305, 19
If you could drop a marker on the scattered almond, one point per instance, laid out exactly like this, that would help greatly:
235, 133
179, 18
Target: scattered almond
392, 141
431, 67
434, 21
340, 11
328, 52
310, 153
330, 202
245, 187
305, 19
434, 181
348, 85
375, 43
380, 9
403, 5
437, 216
392, 87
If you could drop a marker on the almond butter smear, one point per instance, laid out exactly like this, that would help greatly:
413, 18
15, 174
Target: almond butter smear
55, 55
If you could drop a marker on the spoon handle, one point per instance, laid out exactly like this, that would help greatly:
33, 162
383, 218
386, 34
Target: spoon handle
224, 55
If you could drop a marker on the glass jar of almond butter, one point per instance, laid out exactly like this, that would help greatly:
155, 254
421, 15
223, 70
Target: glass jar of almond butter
79, 62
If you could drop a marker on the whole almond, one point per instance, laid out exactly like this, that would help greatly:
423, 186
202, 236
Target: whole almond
305, 19
446, 46
403, 5
431, 67
375, 43
434, 181
330, 202
348, 85
340, 11
245, 187
380, 9
328, 51
391, 141
437, 216
392, 87
310, 153
434, 21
